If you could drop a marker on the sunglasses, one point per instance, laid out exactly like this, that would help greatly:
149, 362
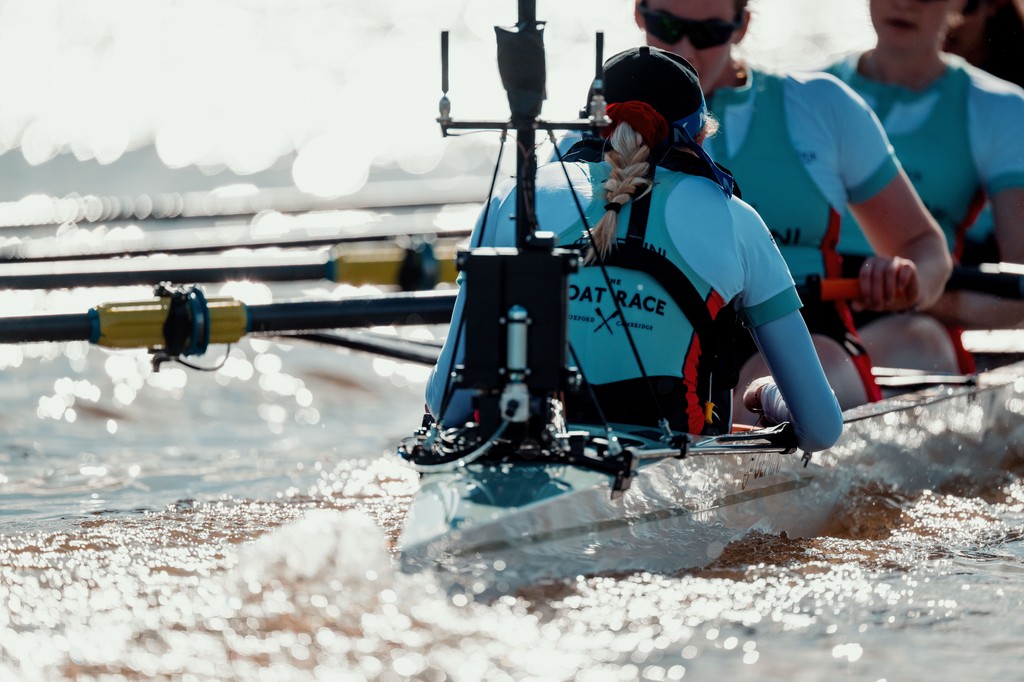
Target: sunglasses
703, 33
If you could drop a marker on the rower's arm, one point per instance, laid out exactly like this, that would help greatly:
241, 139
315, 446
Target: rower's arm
918, 238
808, 401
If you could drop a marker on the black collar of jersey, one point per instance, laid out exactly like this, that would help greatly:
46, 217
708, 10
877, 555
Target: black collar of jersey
592, 150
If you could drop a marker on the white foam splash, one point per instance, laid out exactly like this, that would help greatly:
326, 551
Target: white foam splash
325, 548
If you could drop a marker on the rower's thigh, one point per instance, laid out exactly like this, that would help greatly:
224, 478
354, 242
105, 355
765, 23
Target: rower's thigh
910, 341
839, 369
842, 376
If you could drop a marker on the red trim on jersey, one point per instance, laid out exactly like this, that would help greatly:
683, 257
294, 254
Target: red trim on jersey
695, 403
977, 203
833, 261
834, 268
860, 358
964, 358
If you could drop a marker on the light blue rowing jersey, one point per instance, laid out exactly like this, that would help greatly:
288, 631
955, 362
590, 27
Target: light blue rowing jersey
958, 139
776, 183
717, 242
659, 330
801, 146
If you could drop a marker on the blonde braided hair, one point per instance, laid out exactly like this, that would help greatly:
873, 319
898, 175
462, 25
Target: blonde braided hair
628, 160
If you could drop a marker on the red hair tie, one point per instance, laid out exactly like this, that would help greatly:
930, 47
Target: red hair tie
642, 117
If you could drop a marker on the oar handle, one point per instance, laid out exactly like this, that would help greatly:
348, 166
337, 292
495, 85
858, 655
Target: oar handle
839, 289
846, 289
1008, 285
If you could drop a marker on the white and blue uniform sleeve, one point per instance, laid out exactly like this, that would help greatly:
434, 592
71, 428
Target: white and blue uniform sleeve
770, 307
808, 402
842, 142
833, 131
995, 114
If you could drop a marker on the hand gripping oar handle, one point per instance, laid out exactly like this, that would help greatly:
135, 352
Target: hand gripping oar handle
987, 279
844, 289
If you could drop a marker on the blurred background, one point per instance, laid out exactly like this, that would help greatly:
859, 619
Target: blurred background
127, 126
116, 106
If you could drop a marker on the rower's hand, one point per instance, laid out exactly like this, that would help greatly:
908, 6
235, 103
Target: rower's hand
752, 394
887, 284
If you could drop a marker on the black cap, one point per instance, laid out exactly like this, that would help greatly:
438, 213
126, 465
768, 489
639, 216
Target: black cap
662, 79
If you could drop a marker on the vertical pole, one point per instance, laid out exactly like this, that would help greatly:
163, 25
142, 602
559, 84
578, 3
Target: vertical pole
526, 159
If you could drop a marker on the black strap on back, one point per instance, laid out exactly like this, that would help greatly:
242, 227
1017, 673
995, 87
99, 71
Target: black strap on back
632, 255
717, 369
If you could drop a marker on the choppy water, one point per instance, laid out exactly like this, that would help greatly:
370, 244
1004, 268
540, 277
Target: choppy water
241, 524
223, 532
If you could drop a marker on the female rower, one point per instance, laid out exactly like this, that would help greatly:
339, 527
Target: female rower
990, 35
666, 226
813, 149
955, 129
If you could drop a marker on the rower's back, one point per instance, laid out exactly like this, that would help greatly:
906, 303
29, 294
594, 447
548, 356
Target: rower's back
670, 254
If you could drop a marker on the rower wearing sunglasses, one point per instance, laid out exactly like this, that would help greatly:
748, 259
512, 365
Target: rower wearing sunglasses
956, 129
813, 149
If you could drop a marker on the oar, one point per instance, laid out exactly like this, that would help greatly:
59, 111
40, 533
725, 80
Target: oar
899, 377
1005, 280
185, 322
409, 350
779, 438
412, 269
205, 241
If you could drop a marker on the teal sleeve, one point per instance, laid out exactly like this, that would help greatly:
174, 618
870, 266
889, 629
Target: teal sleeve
779, 305
810, 405
876, 182
1005, 181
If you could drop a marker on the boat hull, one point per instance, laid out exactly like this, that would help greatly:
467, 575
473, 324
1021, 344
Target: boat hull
509, 525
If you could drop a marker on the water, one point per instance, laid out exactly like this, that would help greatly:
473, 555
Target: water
241, 524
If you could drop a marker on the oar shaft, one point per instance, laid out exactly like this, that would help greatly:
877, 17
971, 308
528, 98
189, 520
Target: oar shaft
412, 269
144, 324
430, 307
1008, 285
37, 328
30, 253
127, 276
398, 349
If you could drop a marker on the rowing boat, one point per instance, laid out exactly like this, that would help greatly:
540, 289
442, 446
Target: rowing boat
519, 497
521, 520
